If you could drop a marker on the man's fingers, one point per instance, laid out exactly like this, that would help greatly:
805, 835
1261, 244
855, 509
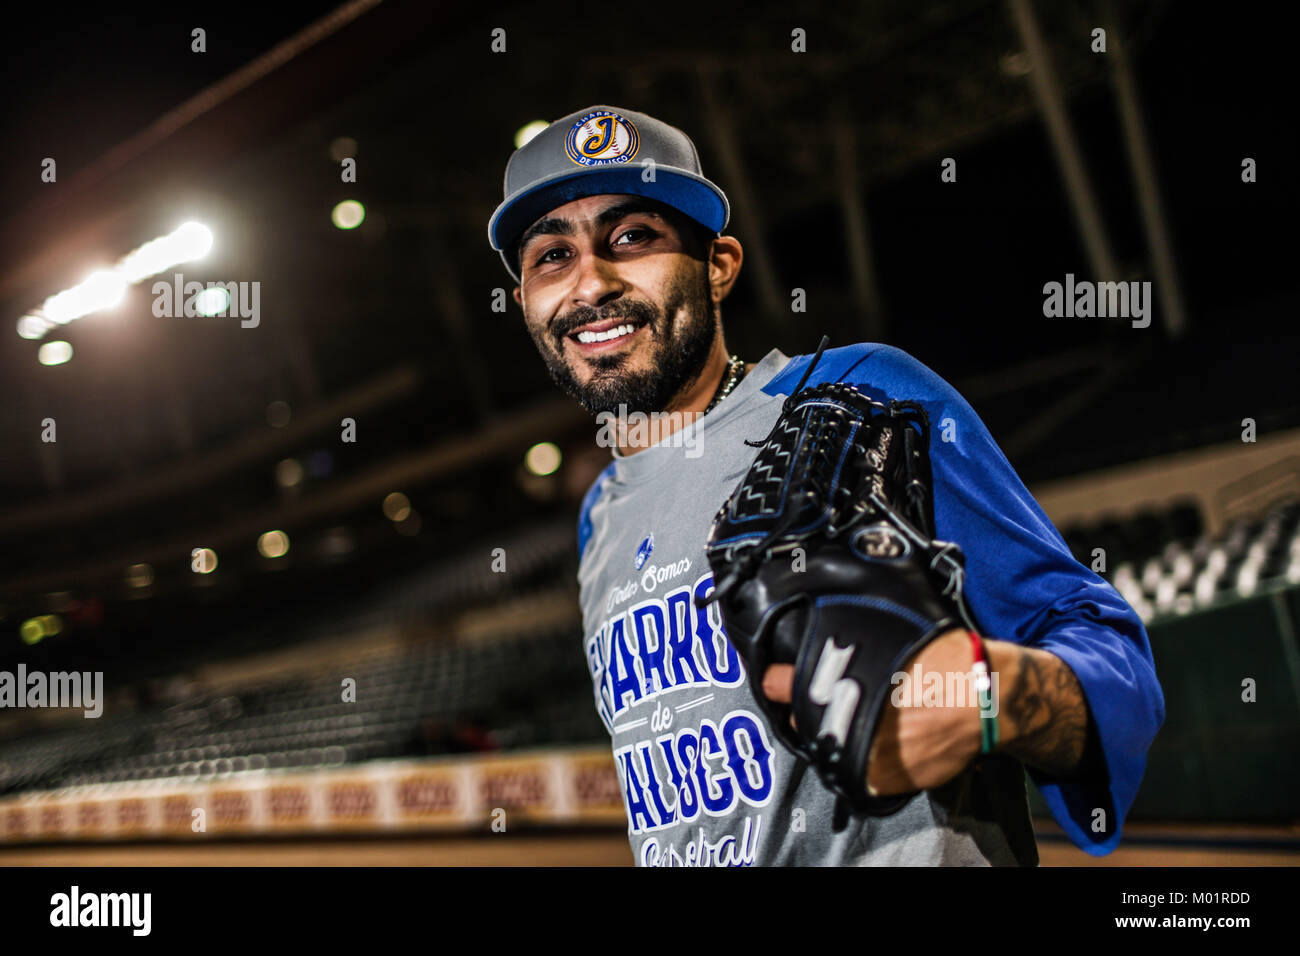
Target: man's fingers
778, 683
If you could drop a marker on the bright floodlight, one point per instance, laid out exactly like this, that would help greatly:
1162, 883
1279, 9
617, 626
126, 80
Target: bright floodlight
528, 131
54, 353
193, 240
348, 214
150, 259
107, 287
102, 289
188, 241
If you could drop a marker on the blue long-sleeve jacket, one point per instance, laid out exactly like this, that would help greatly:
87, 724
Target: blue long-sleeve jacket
1023, 584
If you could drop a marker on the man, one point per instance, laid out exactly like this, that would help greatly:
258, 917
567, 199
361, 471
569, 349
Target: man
614, 238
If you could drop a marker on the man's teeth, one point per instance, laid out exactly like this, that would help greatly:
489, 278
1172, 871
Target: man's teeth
586, 338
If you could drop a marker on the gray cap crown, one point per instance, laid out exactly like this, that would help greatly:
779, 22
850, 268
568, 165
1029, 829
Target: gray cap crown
599, 150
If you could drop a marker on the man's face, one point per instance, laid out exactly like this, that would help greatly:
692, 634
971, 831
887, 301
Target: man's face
618, 301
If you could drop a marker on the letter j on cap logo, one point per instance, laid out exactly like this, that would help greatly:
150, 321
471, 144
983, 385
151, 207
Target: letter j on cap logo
601, 138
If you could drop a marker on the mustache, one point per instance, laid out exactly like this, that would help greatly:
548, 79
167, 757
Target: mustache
639, 313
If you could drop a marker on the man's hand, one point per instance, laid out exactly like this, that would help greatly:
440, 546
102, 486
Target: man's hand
1042, 716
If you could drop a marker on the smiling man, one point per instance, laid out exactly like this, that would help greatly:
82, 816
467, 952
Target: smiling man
613, 236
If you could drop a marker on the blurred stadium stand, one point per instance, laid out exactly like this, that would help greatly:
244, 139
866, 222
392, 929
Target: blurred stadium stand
511, 676
1163, 563
1220, 611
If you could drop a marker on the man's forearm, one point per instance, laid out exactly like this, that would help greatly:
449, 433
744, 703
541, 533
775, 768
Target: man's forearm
1042, 713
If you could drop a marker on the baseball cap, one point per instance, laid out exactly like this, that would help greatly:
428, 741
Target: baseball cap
602, 149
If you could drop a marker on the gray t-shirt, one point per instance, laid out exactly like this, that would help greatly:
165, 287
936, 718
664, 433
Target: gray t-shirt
705, 782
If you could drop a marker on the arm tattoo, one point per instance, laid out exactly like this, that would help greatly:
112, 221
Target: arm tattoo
1051, 716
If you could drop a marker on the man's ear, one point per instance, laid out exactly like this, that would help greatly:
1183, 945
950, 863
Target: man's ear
725, 259
519, 296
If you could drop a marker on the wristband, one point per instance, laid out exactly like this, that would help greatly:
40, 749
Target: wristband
984, 694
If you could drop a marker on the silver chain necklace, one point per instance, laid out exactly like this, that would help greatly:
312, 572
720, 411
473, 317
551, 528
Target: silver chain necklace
735, 371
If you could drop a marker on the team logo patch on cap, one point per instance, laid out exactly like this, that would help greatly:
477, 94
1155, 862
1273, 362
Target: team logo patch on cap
602, 138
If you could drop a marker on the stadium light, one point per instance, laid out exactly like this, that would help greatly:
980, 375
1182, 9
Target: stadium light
106, 288
189, 241
100, 290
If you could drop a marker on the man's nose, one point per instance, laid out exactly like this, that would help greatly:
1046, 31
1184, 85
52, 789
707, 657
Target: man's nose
597, 280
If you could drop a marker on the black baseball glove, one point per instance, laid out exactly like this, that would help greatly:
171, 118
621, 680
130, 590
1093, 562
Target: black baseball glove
824, 558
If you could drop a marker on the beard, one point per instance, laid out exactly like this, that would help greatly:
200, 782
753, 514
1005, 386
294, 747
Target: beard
677, 355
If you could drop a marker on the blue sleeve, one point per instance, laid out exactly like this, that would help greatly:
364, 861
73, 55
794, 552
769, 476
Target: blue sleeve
1024, 585
588, 502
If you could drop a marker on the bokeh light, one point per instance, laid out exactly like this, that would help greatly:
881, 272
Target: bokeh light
212, 301
278, 414
139, 576
344, 147
396, 506
203, 560
54, 353
348, 214
273, 544
288, 473
543, 458
528, 131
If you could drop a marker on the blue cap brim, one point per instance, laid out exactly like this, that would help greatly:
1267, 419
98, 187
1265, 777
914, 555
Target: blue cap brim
691, 195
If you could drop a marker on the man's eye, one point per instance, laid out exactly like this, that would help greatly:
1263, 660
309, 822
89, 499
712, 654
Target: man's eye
545, 257
634, 232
